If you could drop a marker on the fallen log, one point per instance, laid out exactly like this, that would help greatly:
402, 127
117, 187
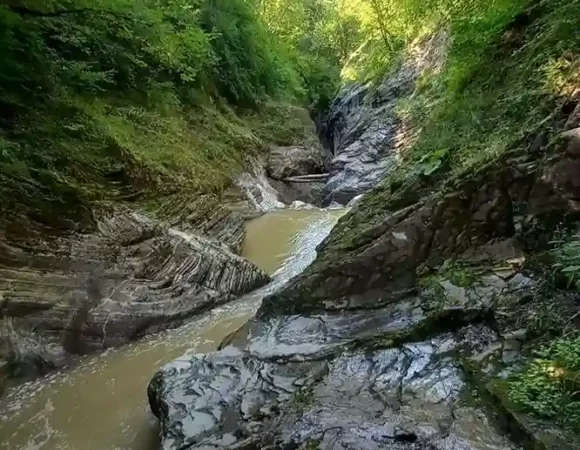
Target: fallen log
308, 178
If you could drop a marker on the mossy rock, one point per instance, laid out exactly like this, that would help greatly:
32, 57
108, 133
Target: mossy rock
4, 375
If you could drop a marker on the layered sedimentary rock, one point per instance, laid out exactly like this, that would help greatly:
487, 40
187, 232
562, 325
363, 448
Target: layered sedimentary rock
388, 378
286, 162
372, 257
379, 344
134, 276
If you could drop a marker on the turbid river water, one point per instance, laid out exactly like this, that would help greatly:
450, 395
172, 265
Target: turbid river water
101, 403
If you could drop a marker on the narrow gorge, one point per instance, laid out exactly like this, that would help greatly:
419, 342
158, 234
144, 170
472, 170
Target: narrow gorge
312, 224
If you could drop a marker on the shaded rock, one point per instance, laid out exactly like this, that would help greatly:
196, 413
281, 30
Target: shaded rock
399, 398
510, 205
384, 260
572, 138
383, 378
574, 117
285, 162
298, 337
289, 192
404, 398
363, 130
134, 277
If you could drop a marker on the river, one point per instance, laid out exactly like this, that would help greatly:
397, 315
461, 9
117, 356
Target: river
101, 403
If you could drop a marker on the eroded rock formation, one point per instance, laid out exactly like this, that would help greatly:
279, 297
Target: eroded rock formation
403, 332
286, 162
363, 130
383, 378
132, 277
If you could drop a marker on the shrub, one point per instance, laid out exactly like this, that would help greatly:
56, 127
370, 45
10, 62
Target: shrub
566, 255
550, 386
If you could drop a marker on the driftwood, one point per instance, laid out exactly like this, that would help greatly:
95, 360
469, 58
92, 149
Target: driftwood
308, 178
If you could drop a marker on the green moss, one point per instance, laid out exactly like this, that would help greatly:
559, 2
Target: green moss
435, 322
544, 315
111, 150
303, 399
356, 229
312, 444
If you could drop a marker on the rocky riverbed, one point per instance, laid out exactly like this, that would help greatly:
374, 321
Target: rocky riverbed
421, 304
403, 334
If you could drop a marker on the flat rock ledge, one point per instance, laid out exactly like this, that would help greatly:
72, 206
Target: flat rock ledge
387, 378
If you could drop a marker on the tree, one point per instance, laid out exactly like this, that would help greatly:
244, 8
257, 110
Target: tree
382, 14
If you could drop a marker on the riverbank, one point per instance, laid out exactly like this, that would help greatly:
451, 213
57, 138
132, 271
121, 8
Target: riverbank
108, 389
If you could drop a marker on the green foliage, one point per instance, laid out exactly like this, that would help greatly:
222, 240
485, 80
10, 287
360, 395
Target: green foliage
247, 63
312, 444
508, 67
112, 98
302, 399
458, 273
566, 255
316, 38
549, 386
496, 91
431, 162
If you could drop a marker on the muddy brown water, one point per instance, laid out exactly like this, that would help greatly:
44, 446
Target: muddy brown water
101, 403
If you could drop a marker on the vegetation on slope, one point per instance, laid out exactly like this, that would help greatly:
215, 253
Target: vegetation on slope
548, 387
113, 98
511, 73
511, 66
117, 99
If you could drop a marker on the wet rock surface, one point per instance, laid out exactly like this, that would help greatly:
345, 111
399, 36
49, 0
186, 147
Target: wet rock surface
386, 347
380, 378
134, 276
414, 321
363, 131
407, 397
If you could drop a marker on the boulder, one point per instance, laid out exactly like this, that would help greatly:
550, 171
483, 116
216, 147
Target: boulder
285, 162
297, 384
289, 192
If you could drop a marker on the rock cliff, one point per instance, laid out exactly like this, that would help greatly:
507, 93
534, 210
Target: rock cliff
363, 129
131, 277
